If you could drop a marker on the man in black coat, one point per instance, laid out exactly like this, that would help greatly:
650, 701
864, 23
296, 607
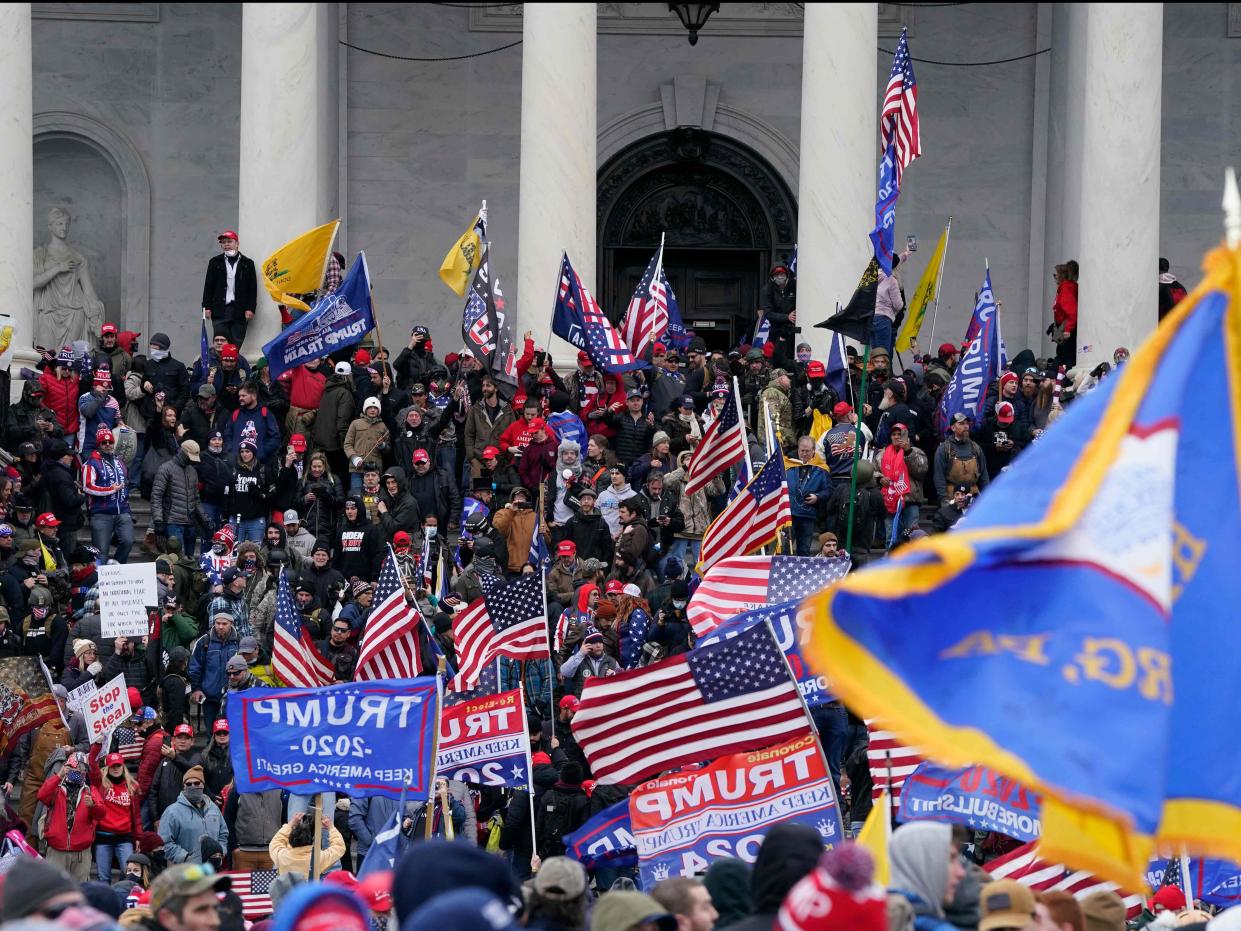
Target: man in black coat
230, 290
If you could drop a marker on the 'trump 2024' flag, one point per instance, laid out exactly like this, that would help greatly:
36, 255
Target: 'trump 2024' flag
337, 321
722, 698
1128, 533
681, 822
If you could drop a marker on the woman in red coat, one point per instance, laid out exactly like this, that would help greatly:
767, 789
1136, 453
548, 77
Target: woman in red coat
60, 393
1064, 313
121, 821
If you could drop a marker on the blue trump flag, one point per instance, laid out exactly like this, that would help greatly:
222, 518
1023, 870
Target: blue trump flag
1215, 882
604, 840
337, 321
677, 335
883, 236
386, 845
1079, 613
975, 797
978, 368
357, 738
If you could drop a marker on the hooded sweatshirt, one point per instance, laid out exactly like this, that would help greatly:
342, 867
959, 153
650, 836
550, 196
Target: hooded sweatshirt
360, 550
608, 502
402, 513
919, 853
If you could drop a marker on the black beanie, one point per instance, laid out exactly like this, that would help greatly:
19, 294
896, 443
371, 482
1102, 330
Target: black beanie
30, 883
571, 774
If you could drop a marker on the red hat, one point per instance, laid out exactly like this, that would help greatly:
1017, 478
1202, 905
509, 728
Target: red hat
376, 891
1005, 413
1169, 898
588, 786
490, 452
114, 759
421, 455
228, 351
614, 587
103, 377
135, 698
839, 893
341, 878
46, 519
451, 359
362, 357
428, 345
566, 548
842, 409
659, 349
298, 442
1007, 377
220, 726
572, 702
769, 349
584, 360
947, 349
229, 234
183, 730
108, 328
898, 426
401, 539
104, 435
537, 424
815, 369
540, 759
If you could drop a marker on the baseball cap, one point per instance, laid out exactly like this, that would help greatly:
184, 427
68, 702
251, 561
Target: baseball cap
959, 417
560, 879
185, 880
248, 644
343, 368
566, 548
570, 701
114, 759
421, 455
842, 409
228, 234
947, 349
587, 490
298, 442
623, 910
1004, 413
230, 575
687, 400
815, 369
490, 452
1005, 903
537, 424
633, 393
614, 587
584, 360
220, 726
290, 517
362, 357
206, 391
899, 426
228, 351
108, 328
183, 730
47, 519
191, 450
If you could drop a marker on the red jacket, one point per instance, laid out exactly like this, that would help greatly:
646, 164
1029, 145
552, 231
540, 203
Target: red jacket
62, 398
122, 811
517, 434
1065, 308
537, 461
151, 758
305, 387
56, 798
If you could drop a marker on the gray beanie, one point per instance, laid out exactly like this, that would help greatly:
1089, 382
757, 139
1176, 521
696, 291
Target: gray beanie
29, 884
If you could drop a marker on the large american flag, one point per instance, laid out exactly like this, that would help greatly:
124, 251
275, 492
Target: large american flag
253, 887
885, 751
646, 320
743, 583
510, 620
898, 120
721, 446
752, 519
580, 320
1026, 867
720, 698
294, 659
389, 648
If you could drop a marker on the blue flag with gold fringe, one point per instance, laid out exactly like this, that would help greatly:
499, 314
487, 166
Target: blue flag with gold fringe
1083, 639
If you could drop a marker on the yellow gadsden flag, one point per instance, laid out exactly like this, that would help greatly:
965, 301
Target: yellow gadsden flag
875, 836
928, 291
462, 259
298, 266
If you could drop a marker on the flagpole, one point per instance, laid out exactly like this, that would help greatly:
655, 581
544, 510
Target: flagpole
429, 818
534, 840
1187, 884
939, 278
744, 440
857, 452
316, 852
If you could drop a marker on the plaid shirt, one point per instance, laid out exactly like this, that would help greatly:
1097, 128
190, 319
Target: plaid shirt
333, 277
533, 675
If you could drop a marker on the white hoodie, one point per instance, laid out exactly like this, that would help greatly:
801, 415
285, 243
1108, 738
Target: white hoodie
608, 501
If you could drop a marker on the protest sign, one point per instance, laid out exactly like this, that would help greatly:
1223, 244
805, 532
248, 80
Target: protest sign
82, 694
789, 631
107, 709
683, 821
976, 797
125, 593
604, 840
484, 741
356, 738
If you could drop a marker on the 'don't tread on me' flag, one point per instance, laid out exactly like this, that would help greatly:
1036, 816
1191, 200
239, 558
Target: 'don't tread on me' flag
924, 295
459, 264
299, 265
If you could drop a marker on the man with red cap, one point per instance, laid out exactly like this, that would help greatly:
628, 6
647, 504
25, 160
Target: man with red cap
813, 401
230, 290
780, 309
105, 480
111, 355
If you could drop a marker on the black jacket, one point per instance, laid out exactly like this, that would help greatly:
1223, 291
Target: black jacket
63, 496
169, 376
215, 286
591, 535
633, 437
435, 493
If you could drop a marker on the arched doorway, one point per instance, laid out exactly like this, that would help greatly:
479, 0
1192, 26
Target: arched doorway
727, 216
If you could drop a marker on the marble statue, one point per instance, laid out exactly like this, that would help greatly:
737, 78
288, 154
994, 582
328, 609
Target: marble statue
65, 303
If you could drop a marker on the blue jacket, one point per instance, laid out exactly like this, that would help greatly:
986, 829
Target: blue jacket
806, 480
95, 412
368, 816
182, 826
266, 431
924, 918
100, 472
207, 661
568, 426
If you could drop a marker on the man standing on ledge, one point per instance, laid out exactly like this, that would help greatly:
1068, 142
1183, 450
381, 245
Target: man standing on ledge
230, 291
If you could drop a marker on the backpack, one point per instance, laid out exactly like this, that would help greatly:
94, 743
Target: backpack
557, 818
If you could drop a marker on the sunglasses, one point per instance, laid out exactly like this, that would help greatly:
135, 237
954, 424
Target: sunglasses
235, 672
55, 911
341, 630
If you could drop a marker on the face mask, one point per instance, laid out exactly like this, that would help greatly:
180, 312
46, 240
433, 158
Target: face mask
39, 613
134, 876
803, 357
230, 252
158, 354
95, 668
430, 532
74, 778
193, 794
217, 548
678, 605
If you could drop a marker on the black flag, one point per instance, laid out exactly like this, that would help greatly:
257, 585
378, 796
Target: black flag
855, 320
485, 325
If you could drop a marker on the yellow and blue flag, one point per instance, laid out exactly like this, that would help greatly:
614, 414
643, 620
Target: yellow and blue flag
1075, 633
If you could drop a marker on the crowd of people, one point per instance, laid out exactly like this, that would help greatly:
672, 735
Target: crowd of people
316, 474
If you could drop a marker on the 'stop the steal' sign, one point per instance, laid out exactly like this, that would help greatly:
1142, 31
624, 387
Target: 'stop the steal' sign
684, 821
357, 738
106, 709
125, 593
485, 741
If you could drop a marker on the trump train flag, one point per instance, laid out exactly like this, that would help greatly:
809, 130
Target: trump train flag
298, 266
1078, 614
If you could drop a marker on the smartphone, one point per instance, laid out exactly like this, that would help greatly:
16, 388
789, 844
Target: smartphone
911, 243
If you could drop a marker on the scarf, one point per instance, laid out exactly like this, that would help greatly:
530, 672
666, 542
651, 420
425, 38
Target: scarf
897, 473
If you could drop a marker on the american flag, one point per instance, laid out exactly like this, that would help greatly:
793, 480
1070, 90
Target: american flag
752, 519
578, 319
646, 320
885, 749
294, 659
1028, 868
898, 120
721, 446
720, 698
129, 744
509, 620
389, 648
426, 564
743, 583
254, 889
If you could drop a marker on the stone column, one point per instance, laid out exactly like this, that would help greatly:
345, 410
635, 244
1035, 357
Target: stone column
839, 159
558, 128
1114, 172
17, 180
288, 134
